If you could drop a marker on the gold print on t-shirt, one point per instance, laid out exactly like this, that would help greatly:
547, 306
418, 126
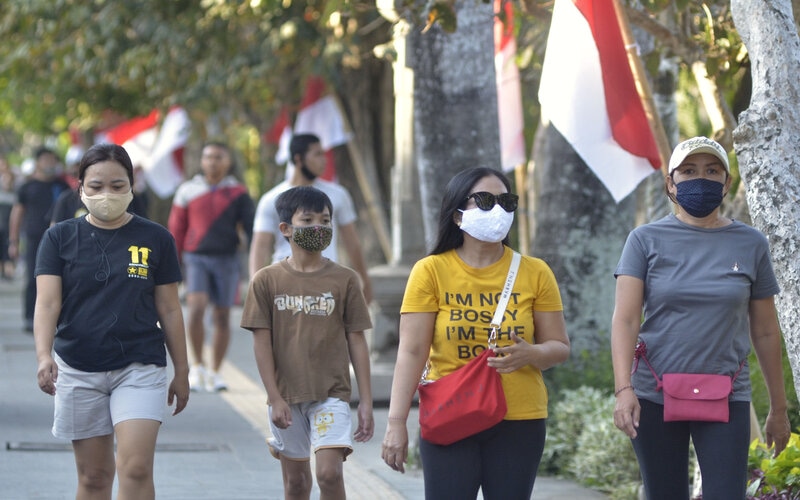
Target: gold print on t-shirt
470, 317
321, 305
138, 266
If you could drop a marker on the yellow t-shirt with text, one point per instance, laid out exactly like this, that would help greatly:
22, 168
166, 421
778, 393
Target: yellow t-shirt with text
465, 299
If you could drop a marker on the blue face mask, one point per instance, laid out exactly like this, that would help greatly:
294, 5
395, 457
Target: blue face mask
699, 197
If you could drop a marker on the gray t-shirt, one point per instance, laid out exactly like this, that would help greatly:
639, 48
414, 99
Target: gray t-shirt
698, 284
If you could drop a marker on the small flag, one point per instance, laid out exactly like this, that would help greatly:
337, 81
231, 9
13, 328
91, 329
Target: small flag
164, 168
589, 95
137, 136
509, 96
273, 135
319, 115
280, 133
158, 150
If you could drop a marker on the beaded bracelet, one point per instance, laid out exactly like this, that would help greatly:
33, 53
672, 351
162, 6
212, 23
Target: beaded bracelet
398, 419
616, 393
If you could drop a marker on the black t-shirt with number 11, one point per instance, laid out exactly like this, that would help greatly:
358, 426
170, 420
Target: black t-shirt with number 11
108, 316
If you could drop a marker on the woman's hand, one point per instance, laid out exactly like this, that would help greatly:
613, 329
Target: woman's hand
777, 430
394, 449
47, 374
513, 357
626, 412
542, 355
178, 392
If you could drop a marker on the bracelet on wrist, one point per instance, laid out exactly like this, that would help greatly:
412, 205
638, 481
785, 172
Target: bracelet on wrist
397, 419
623, 388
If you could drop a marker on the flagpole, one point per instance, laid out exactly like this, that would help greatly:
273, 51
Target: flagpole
642, 85
522, 191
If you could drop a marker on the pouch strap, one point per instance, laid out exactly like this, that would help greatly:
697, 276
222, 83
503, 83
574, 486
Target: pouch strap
658, 380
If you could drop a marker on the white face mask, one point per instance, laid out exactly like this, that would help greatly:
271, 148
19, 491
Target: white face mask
107, 207
489, 226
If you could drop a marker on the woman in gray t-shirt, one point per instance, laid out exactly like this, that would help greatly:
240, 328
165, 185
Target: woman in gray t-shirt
695, 289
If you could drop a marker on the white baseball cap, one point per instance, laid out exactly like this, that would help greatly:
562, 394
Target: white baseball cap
694, 146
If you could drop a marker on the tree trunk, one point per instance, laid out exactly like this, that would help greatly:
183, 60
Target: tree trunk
367, 98
768, 150
579, 231
455, 103
446, 120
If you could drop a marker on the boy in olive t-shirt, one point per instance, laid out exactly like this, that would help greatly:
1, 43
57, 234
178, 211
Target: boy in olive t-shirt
308, 316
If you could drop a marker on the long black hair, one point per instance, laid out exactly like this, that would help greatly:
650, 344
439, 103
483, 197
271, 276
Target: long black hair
455, 198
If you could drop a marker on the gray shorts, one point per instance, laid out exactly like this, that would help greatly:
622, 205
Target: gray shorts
215, 275
317, 425
90, 404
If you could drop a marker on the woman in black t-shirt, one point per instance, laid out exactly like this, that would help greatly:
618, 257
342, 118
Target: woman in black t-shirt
107, 302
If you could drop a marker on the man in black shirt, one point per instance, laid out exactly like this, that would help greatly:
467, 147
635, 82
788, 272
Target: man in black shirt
30, 218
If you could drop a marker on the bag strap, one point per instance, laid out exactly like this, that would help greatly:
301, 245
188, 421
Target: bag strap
736, 375
640, 354
502, 303
504, 296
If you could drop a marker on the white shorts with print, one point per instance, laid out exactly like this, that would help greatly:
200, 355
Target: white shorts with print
90, 404
315, 425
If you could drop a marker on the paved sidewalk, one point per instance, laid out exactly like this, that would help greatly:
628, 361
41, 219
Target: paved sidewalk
214, 450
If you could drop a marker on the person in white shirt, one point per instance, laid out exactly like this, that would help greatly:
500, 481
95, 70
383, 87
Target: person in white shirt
269, 246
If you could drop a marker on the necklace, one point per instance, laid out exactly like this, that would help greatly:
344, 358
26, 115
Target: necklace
103, 266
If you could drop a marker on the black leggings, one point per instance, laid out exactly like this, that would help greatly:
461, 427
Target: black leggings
662, 449
502, 461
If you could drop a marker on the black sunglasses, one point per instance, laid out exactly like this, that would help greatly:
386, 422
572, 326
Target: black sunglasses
487, 201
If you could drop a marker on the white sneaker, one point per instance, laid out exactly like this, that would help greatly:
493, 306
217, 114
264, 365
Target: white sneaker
215, 382
197, 378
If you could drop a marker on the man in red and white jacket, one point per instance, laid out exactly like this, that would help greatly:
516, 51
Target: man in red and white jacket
209, 213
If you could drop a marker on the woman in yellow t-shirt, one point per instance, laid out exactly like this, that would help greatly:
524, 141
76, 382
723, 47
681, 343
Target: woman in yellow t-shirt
448, 304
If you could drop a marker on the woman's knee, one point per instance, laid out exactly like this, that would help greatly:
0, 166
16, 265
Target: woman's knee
135, 468
136, 473
95, 462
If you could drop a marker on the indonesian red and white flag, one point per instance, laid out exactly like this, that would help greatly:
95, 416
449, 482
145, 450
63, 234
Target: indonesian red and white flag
137, 136
280, 133
588, 94
509, 95
158, 150
164, 168
319, 115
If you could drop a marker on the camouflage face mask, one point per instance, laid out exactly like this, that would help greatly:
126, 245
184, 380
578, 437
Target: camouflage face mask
312, 238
